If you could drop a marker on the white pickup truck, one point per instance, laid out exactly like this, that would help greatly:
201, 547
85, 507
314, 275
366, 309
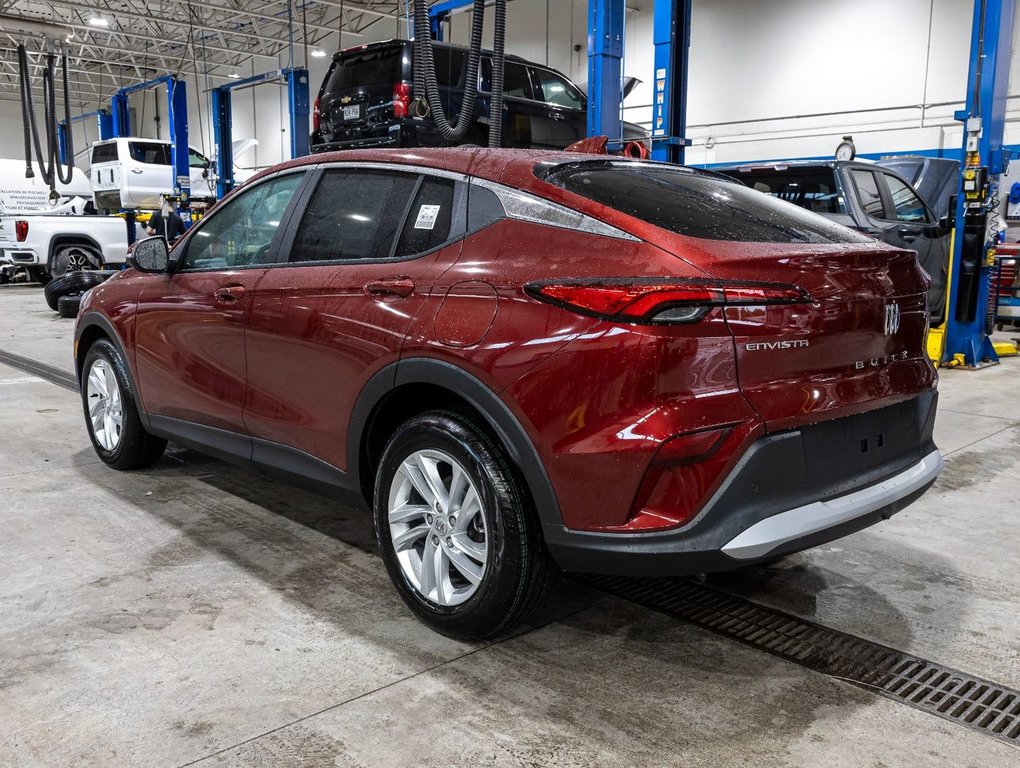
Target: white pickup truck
48, 240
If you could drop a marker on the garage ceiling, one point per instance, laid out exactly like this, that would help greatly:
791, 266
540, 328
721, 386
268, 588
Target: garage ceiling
120, 42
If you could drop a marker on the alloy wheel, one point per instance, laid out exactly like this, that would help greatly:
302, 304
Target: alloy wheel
105, 405
437, 526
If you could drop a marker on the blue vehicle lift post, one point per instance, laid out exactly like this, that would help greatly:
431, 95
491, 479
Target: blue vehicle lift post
440, 12
177, 110
605, 65
103, 120
298, 105
672, 37
984, 124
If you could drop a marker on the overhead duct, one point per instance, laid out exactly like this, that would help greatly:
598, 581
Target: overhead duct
20, 26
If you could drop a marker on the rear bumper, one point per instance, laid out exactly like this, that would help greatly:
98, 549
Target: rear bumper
19, 256
790, 491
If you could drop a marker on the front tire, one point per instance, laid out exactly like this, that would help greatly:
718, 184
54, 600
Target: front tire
455, 529
111, 414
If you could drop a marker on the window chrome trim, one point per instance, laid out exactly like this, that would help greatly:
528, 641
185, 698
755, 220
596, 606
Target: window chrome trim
525, 206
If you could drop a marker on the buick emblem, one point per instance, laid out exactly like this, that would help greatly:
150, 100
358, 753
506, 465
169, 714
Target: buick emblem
892, 319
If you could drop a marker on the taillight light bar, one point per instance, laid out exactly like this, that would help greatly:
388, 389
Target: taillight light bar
660, 300
315, 116
21, 230
401, 99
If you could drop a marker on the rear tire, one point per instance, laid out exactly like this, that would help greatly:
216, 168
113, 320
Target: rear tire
469, 560
72, 258
69, 305
111, 412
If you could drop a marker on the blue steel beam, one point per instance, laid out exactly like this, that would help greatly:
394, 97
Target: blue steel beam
605, 63
440, 12
672, 38
987, 85
177, 94
104, 122
298, 103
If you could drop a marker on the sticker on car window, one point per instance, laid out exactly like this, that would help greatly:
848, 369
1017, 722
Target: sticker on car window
427, 216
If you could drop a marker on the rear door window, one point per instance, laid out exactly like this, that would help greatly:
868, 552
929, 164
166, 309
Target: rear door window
516, 80
906, 204
354, 214
871, 198
150, 152
697, 205
429, 219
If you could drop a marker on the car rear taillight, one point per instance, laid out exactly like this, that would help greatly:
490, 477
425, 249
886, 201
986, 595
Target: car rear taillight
660, 300
401, 99
21, 230
315, 116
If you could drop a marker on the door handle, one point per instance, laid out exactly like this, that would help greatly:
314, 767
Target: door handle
229, 294
133, 170
908, 235
401, 287
557, 116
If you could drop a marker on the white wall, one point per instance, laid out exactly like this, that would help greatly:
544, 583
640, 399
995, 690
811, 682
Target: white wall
757, 71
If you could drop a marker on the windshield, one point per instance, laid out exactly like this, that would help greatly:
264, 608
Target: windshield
696, 204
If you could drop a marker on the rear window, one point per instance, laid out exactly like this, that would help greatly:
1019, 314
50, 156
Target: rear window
449, 64
104, 153
150, 152
365, 68
697, 205
811, 188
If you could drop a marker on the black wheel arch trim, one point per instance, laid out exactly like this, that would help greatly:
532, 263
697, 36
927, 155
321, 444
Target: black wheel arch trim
483, 399
68, 239
96, 320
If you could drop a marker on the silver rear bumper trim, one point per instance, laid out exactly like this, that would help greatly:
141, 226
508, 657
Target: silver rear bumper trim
764, 536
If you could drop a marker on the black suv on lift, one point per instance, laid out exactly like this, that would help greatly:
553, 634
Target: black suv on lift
367, 100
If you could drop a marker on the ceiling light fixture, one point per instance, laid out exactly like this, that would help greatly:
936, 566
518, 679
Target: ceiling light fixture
317, 53
235, 75
98, 21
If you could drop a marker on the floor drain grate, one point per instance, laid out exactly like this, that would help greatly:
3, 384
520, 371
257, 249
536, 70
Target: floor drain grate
985, 706
43, 371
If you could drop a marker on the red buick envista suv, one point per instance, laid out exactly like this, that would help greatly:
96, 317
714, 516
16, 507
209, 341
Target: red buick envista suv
521, 360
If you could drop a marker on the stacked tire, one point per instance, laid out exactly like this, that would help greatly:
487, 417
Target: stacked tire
63, 294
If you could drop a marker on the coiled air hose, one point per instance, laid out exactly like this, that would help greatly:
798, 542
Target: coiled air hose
49, 161
426, 86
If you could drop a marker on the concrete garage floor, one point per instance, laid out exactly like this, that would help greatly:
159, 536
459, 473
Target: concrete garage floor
196, 613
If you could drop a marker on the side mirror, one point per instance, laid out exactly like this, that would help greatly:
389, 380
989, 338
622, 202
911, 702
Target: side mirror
150, 255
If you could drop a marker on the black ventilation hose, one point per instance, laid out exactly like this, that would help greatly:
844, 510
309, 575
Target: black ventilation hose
69, 138
425, 84
498, 50
49, 160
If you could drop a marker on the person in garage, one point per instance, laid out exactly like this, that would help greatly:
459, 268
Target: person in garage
165, 222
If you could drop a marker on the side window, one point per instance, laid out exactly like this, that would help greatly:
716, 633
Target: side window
241, 233
150, 153
556, 90
907, 204
195, 160
515, 81
353, 215
868, 190
428, 221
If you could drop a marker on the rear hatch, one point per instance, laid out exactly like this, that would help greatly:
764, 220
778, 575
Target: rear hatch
856, 343
367, 89
106, 168
358, 91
